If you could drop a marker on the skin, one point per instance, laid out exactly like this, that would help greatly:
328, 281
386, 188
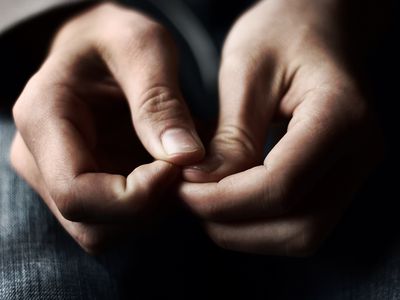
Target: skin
283, 61
108, 86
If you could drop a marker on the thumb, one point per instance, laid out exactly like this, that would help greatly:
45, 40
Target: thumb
144, 62
245, 113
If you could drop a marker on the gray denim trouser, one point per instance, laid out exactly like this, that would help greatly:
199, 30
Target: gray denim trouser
38, 260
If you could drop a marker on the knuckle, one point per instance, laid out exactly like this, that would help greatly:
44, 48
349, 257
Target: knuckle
138, 183
36, 103
106, 7
253, 68
238, 139
22, 109
67, 203
239, 63
143, 190
154, 31
279, 194
135, 32
161, 104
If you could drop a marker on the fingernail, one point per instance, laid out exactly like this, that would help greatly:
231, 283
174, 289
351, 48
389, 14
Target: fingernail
178, 140
209, 165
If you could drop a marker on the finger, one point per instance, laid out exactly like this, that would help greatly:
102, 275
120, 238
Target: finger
315, 140
91, 237
247, 103
302, 232
51, 130
295, 236
142, 57
236, 197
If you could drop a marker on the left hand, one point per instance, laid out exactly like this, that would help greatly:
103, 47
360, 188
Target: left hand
283, 60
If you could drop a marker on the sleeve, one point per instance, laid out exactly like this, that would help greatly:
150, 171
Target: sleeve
26, 29
13, 12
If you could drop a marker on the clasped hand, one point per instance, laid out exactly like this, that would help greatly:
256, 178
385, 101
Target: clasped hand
103, 130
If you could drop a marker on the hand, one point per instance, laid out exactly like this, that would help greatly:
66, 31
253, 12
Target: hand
283, 61
108, 68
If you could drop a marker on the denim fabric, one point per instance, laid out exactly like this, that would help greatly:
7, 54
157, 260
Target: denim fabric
38, 260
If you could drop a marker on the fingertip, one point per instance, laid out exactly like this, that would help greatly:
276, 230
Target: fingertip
182, 147
206, 171
165, 169
161, 165
186, 159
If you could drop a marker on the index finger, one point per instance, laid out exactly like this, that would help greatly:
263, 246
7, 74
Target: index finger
317, 137
63, 155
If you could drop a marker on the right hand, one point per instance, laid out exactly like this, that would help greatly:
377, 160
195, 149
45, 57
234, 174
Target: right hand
75, 145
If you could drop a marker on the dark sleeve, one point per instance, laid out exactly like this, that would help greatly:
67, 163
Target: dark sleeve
26, 30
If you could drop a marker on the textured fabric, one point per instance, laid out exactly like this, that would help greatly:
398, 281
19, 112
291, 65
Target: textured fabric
38, 260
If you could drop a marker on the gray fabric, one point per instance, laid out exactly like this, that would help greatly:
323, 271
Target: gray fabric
14, 11
37, 259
